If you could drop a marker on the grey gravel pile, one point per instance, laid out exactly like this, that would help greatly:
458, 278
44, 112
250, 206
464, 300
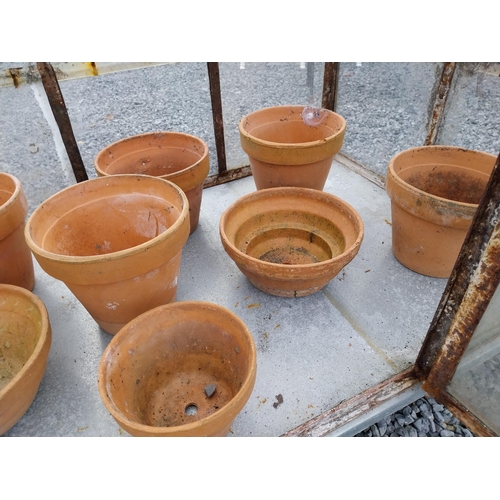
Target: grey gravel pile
423, 418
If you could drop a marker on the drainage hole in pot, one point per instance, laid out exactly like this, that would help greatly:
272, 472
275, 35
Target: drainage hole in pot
292, 246
191, 409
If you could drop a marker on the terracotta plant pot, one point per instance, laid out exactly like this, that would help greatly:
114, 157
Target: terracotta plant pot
25, 338
116, 242
291, 241
15, 257
184, 369
434, 191
291, 145
179, 158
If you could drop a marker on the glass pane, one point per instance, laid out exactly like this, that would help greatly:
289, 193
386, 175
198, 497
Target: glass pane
387, 108
247, 87
476, 383
471, 116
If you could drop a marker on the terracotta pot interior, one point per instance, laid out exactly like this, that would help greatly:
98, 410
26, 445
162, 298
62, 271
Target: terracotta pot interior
20, 330
154, 161
107, 225
451, 182
7, 189
300, 239
161, 380
288, 127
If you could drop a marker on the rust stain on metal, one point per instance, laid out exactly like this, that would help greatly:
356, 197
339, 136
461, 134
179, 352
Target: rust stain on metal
348, 410
60, 112
440, 102
471, 285
330, 85
15, 74
93, 68
227, 176
215, 96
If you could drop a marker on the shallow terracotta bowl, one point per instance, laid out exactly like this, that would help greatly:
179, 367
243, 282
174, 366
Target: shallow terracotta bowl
291, 241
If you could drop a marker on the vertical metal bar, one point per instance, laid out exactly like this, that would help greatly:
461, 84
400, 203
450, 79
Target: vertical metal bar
310, 81
440, 102
58, 106
472, 283
215, 95
330, 85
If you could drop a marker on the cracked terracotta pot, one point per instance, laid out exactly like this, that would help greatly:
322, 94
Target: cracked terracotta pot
291, 241
115, 241
25, 338
15, 257
434, 191
291, 145
174, 156
184, 369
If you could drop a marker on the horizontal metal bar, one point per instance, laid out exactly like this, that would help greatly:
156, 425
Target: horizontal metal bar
348, 411
229, 175
68, 70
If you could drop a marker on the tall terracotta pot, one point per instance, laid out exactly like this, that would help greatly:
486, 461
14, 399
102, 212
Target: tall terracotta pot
434, 191
115, 241
291, 145
174, 156
25, 338
16, 261
183, 369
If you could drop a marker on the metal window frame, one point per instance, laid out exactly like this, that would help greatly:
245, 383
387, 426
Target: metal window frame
473, 281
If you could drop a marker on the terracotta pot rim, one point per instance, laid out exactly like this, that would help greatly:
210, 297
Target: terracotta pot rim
318, 267
291, 145
186, 428
113, 256
418, 192
202, 165
45, 334
14, 196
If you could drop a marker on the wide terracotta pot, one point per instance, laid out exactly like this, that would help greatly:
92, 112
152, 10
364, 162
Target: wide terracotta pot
15, 257
184, 369
174, 156
291, 145
434, 191
291, 241
25, 338
115, 241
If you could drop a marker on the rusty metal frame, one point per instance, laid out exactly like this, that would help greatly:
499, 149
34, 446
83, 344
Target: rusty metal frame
440, 102
330, 85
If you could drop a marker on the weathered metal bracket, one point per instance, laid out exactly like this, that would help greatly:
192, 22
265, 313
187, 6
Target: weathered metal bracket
440, 102
215, 95
330, 85
58, 106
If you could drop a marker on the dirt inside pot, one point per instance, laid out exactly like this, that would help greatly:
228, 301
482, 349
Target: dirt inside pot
452, 183
110, 225
19, 336
293, 246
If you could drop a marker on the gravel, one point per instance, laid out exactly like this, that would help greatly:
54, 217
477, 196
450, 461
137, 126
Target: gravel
423, 418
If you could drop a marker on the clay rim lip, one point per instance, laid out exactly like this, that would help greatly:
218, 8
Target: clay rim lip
153, 134
151, 429
291, 145
418, 192
14, 195
315, 266
45, 335
80, 259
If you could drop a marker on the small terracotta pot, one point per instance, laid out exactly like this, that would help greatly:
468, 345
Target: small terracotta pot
291, 241
15, 257
184, 369
174, 156
434, 191
115, 241
25, 338
291, 145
